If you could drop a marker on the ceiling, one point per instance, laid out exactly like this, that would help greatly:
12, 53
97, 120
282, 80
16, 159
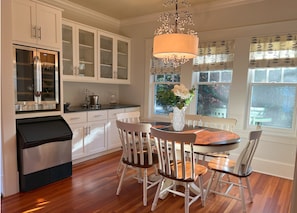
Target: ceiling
128, 9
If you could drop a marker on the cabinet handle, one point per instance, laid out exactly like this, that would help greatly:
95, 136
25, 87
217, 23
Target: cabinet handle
73, 119
89, 130
97, 116
33, 32
39, 32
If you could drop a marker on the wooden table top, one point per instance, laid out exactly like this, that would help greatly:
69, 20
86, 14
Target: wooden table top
205, 136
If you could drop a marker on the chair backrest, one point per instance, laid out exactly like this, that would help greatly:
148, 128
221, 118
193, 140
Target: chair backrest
190, 119
129, 117
243, 163
218, 123
193, 120
136, 143
175, 154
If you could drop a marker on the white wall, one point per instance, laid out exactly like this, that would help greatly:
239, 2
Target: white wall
74, 92
10, 176
276, 152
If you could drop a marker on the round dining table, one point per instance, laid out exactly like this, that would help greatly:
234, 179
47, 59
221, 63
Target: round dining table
208, 140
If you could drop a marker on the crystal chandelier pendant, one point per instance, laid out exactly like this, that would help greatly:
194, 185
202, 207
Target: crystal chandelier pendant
173, 42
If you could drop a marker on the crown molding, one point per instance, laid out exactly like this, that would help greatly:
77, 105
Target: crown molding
73, 8
201, 8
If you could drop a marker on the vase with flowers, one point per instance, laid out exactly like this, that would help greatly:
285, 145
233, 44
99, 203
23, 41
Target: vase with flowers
176, 100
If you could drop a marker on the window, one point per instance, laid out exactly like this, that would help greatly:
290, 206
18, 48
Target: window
213, 77
164, 77
164, 82
273, 87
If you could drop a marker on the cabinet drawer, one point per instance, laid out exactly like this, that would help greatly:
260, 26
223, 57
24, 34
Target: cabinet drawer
113, 112
78, 117
97, 115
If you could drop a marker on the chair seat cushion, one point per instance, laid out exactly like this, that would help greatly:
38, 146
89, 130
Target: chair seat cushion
227, 165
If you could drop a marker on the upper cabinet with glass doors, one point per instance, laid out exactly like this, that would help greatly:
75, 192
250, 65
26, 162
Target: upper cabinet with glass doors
36, 24
79, 53
113, 58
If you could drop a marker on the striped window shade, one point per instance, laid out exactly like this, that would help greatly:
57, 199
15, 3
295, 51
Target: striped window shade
216, 55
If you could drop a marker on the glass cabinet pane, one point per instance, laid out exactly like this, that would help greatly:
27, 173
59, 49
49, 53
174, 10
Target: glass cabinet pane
122, 69
67, 50
24, 75
106, 57
48, 67
86, 53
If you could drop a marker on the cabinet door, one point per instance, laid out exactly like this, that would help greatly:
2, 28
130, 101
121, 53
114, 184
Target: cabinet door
48, 26
106, 56
33, 23
78, 131
95, 139
113, 135
86, 51
23, 21
123, 59
114, 58
79, 52
68, 50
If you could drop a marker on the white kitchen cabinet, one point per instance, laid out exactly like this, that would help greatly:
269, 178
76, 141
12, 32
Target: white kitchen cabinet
36, 24
113, 58
89, 132
113, 135
79, 54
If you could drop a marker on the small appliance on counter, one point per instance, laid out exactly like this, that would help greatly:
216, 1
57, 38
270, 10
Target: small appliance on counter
91, 102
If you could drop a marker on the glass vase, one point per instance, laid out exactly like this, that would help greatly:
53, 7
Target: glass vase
178, 119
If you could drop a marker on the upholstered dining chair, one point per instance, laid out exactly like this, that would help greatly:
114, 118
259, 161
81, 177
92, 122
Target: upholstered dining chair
137, 154
128, 117
241, 169
177, 163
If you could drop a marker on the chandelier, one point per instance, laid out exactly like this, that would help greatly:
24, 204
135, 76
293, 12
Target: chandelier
173, 42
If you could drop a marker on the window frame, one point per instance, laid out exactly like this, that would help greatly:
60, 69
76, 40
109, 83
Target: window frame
212, 83
153, 83
270, 129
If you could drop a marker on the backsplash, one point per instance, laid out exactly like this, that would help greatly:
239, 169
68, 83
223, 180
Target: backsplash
75, 93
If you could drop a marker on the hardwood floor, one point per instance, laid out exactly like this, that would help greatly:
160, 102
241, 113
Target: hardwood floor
92, 189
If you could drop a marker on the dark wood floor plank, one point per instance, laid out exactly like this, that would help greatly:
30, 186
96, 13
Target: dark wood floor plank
92, 189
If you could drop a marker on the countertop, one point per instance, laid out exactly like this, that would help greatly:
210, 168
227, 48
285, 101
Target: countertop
102, 107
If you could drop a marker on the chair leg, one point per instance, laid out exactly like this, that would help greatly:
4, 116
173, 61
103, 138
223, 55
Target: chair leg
120, 168
122, 179
144, 187
209, 184
156, 198
201, 190
241, 188
187, 194
120, 165
249, 189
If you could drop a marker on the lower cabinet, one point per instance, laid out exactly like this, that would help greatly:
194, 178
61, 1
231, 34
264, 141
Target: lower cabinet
94, 131
89, 132
113, 135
